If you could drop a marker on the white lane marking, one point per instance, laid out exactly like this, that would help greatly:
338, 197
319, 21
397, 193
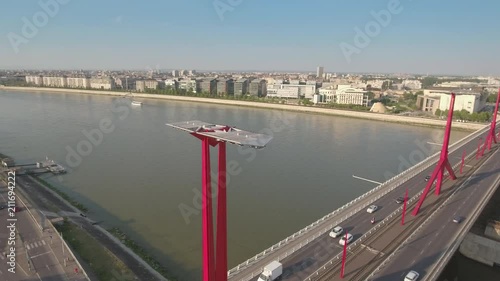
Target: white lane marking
31, 246
36, 244
43, 242
40, 255
24, 271
27, 246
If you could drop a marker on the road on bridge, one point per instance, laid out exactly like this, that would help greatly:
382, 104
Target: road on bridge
421, 252
307, 260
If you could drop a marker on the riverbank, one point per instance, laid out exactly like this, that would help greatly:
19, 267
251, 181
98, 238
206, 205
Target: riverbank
107, 253
297, 108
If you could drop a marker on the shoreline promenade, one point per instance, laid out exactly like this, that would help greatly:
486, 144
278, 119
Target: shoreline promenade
297, 108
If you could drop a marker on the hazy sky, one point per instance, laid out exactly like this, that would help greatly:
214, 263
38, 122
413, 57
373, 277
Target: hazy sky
421, 36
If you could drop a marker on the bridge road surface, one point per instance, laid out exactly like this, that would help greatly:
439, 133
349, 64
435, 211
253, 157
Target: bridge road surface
366, 258
314, 255
437, 236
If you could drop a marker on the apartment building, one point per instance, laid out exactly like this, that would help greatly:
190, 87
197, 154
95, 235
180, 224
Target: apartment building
258, 88
35, 80
412, 84
225, 87
470, 100
190, 85
348, 95
209, 85
344, 94
55, 81
104, 83
78, 82
292, 90
241, 87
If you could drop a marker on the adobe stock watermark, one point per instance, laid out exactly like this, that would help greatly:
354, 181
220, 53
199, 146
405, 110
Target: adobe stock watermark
279, 122
363, 37
30, 28
223, 6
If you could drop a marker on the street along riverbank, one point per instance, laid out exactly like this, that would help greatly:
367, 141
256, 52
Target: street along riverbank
305, 109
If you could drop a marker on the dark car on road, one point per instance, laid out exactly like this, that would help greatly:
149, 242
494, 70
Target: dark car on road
427, 178
458, 219
400, 200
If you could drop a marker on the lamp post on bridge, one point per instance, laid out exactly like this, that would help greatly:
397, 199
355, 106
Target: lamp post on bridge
463, 162
492, 134
480, 140
443, 161
215, 262
404, 208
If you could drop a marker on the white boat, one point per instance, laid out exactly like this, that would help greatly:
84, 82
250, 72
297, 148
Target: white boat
134, 102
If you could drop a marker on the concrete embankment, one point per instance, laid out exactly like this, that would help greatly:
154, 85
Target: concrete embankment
305, 109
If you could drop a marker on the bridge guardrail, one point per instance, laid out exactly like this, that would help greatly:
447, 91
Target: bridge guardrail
446, 256
421, 166
419, 228
379, 225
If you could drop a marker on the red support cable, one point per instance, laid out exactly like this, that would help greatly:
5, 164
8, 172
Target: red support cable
443, 161
491, 135
344, 255
207, 221
221, 239
463, 162
404, 208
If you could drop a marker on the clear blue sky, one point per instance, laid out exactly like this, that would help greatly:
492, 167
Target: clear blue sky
427, 36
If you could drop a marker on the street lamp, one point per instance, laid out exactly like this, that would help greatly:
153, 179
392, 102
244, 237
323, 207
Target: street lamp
213, 135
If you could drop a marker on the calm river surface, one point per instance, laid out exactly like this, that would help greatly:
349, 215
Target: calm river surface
140, 173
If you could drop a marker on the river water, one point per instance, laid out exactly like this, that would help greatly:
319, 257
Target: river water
134, 172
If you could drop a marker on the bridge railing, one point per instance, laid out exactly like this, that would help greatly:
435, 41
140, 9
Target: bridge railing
398, 180
376, 227
431, 216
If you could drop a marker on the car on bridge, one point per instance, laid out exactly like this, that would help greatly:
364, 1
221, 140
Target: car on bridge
336, 232
400, 200
427, 178
458, 219
372, 209
343, 239
412, 276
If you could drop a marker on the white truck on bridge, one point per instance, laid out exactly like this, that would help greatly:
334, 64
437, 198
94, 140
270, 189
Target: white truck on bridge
271, 271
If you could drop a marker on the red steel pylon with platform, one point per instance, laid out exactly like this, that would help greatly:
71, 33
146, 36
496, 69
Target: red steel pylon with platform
443, 161
215, 256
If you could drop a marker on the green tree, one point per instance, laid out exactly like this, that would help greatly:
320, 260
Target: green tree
492, 98
429, 82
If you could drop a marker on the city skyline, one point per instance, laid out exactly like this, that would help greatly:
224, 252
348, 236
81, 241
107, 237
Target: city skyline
408, 36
